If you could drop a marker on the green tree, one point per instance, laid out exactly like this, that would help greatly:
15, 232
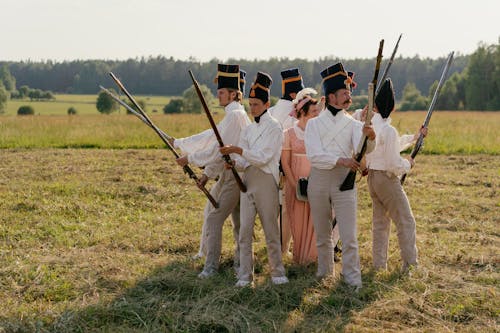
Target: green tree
105, 104
483, 83
71, 111
412, 98
9, 82
176, 105
359, 102
25, 110
191, 101
35, 94
24, 91
47, 95
452, 95
4, 96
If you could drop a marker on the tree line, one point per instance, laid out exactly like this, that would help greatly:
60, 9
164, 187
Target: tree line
473, 82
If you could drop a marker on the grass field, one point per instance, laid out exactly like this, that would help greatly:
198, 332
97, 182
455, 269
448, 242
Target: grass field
84, 104
450, 132
99, 240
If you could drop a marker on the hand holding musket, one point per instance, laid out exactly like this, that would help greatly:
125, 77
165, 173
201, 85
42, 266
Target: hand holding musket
348, 183
420, 140
226, 157
146, 119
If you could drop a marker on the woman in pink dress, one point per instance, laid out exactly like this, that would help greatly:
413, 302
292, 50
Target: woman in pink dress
295, 165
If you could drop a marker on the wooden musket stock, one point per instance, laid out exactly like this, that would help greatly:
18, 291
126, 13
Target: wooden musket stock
349, 180
227, 158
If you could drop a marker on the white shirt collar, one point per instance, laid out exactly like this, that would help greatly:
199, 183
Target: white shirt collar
379, 122
264, 117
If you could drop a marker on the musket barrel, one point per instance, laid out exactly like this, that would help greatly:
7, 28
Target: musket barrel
420, 140
388, 66
186, 168
131, 110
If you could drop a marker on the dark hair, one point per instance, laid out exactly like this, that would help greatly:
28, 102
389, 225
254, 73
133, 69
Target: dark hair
305, 108
239, 95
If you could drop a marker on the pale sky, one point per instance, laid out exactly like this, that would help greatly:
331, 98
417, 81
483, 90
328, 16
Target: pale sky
259, 29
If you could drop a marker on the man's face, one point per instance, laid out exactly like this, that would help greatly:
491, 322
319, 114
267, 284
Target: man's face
257, 106
341, 99
225, 96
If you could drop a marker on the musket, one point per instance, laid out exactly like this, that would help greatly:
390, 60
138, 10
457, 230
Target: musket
420, 141
388, 66
349, 180
226, 158
186, 168
131, 110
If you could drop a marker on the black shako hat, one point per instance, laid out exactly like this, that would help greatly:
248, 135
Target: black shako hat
260, 88
385, 99
291, 82
228, 76
242, 81
335, 77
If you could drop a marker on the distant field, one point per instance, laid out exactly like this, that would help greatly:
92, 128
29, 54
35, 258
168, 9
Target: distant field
84, 104
450, 132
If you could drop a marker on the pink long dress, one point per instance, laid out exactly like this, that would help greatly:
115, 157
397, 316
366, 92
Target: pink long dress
299, 212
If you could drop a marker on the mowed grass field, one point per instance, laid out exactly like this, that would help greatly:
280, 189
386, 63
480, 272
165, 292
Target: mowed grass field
100, 240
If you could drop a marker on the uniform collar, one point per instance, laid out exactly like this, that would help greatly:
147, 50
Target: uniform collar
333, 110
263, 116
326, 113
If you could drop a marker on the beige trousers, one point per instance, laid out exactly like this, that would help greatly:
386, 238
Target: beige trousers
324, 196
227, 193
390, 202
261, 198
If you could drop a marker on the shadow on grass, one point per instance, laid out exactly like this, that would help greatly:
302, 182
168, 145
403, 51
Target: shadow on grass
173, 299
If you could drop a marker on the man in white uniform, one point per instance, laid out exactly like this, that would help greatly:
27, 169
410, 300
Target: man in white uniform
235, 214
258, 154
331, 139
203, 150
385, 166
